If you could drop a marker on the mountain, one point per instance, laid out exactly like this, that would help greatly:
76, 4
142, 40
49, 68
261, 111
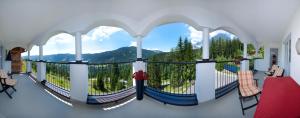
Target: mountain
222, 36
119, 55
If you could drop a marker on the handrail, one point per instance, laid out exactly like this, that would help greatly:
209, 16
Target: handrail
164, 62
111, 63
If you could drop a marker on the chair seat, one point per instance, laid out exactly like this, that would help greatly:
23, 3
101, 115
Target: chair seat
249, 91
10, 82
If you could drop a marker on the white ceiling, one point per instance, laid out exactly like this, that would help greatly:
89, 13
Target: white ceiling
24, 22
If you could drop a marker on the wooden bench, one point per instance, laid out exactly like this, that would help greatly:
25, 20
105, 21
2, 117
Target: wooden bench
102, 99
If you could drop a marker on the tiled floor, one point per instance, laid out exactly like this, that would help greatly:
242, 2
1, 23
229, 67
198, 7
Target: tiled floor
32, 101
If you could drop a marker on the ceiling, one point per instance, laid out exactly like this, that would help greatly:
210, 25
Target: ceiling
27, 22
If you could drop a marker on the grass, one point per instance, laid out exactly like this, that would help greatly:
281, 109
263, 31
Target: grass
62, 82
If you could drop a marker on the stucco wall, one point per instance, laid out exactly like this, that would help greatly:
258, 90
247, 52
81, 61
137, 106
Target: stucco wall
264, 64
294, 30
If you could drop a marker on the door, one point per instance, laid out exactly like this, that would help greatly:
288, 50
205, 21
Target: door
273, 56
287, 56
16, 60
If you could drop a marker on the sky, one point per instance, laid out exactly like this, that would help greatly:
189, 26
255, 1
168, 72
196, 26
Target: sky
106, 38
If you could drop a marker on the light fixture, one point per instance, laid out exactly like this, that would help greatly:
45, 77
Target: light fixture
298, 46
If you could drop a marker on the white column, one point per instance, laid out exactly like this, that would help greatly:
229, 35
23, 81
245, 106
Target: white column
205, 81
245, 50
205, 46
7, 63
139, 47
78, 46
41, 66
40, 52
41, 71
28, 63
79, 81
245, 63
256, 51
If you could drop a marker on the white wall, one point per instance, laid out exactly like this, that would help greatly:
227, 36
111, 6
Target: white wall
264, 64
294, 30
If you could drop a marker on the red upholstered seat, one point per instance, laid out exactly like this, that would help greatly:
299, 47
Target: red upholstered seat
280, 98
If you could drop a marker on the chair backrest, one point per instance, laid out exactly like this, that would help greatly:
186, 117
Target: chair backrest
245, 78
278, 72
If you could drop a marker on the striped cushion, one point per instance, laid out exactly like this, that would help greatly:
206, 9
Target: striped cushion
274, 68
278, 72
247, 84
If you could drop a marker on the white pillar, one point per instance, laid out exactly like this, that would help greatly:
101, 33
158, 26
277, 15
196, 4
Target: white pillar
79, 81
7, 66
205, 46
139, 47
7, 63
256, 51
41, 71
245, 63
40, 52
205, 81
78, 46
245, 50
28, 63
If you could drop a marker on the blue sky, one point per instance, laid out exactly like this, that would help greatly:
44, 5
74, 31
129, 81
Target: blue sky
105, 38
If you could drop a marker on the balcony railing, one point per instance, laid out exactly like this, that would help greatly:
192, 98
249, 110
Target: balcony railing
109, 78
172, 77
58, 77
34, 68
226, 77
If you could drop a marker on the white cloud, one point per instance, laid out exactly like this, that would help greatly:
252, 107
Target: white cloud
101, 33
196, 36
61, 38
133, 43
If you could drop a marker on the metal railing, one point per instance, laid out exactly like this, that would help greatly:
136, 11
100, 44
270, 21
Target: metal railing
109, 78
226, 76
172, 77
24, 65
34, 68
58, 77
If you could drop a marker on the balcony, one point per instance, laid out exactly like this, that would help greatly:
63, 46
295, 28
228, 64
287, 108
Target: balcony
201, 84
35, 101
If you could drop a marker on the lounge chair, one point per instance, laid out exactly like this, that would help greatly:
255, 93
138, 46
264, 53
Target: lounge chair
247, 88
7, 82
271, 70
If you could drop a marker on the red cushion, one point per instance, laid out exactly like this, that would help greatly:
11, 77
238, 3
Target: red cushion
280, 98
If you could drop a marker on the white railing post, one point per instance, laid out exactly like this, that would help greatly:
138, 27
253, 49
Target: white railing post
41, 66
78, 73
205, 81
79, 81
245, 62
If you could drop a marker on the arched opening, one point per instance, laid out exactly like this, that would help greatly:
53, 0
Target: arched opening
172, 70
227, 50
110, 52
59, 48
16, 60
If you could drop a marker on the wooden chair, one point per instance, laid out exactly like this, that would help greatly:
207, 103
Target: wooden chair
247, 88
7, 82
278, 72
272, 70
